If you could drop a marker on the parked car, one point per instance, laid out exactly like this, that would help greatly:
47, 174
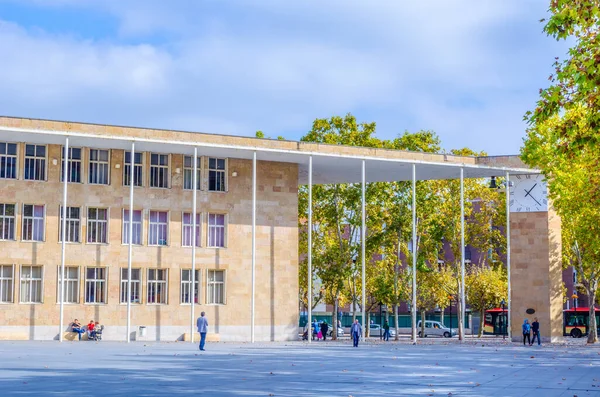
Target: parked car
376, 330
330, 331
435, 328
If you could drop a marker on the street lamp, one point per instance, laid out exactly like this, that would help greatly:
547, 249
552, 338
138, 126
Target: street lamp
450, 315
503, 319
574, 296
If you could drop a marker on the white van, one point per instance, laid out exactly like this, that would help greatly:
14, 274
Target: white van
435, 328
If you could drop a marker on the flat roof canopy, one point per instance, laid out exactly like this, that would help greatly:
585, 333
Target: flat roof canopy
331, 163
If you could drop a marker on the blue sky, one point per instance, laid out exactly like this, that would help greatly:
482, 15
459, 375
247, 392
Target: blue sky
467, 69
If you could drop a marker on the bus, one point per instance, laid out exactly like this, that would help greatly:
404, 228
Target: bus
495, 322
576, 321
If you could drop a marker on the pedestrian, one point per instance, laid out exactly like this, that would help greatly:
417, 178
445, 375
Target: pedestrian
526, 332
535, 330
355, 333
202, 325
386, 331
315, 327
324, 329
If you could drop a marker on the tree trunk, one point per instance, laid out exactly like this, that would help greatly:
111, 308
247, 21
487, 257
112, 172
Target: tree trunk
461, 325
353, 309
396, 321
442, 316
593, 327
336, 302
423, 323
481, 322
368, 325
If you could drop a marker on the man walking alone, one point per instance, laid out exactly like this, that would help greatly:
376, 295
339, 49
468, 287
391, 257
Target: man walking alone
202, 325
355, 332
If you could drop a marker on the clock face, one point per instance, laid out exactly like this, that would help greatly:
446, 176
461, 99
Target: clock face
528, 193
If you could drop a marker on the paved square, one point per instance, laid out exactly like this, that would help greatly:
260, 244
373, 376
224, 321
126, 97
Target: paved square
437, 368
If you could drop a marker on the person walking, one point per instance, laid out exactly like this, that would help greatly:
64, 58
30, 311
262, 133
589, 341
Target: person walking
324, 329
386, 331
355, 333
202, 325
526, 332
535, 330
315, 327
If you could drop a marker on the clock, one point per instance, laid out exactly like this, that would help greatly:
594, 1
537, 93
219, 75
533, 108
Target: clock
528, 193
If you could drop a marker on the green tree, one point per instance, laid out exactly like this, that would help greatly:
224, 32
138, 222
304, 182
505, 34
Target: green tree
485, 288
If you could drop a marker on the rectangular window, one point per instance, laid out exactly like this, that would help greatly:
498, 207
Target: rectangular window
33, 222
159, 227
99, 166
157, 286
7, 221
136, 285
31, 284
97, 225
71, 292
186, 286
73, 225
188, 227
216, 287
35, 162
73, 167
188, 172
95, 285
159, 170
137, 227
8, 160
137, 169
216, 175
216, 230
6, 283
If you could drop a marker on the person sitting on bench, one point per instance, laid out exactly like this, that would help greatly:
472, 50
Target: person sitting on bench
97, 334
76, 327
90, 330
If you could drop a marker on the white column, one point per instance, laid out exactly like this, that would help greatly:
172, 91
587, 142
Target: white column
362, 237
253, 245
130, 236
193, 275
64, 237
462, 247
309, 291
508, 249
413, 306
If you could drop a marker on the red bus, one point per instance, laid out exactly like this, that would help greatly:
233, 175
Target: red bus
495, 322
576, 321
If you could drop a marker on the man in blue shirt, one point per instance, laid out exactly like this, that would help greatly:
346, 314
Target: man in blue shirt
202, 325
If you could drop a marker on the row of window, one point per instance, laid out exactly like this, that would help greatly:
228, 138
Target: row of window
95, 285
98, 161
33, 222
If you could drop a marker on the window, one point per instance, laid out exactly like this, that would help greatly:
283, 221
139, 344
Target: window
188, 172
35, 162
33, 222
6, 283
186, 285
216, 175
188, 227
159, 225
216, 230
31, 284
157, 286
7, 221
73, 167
216, 287
8, 160
159, 170
95, 285
99, 167
137, 227
136, 285
97, 225
71, 292
137, 169
73, 224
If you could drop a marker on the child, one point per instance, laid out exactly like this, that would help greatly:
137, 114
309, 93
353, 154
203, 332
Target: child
90, 329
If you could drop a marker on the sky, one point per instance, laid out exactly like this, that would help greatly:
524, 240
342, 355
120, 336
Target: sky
466, 69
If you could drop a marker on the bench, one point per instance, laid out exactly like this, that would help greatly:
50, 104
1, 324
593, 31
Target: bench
8, 335
209, 337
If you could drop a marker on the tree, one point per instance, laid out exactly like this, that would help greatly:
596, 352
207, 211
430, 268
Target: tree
432, 290
485, 288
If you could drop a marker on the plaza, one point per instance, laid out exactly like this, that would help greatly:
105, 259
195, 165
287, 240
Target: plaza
486, 367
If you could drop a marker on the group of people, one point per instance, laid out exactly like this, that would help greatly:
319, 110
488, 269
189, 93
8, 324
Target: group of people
93, 329
531, 329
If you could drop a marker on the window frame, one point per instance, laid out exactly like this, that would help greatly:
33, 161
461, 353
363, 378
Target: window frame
71, 161
141, 166
6, 156
157, 224
125, 222
87, 224
90, 162
156, 282
96, 281
158, 166
30, 280
68, 280
35, 157
33, 220
208, 283
208, 229
60, 214
224, 171
11, 293
187, 284
190, 226
3, 216
190, 171
123, 285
